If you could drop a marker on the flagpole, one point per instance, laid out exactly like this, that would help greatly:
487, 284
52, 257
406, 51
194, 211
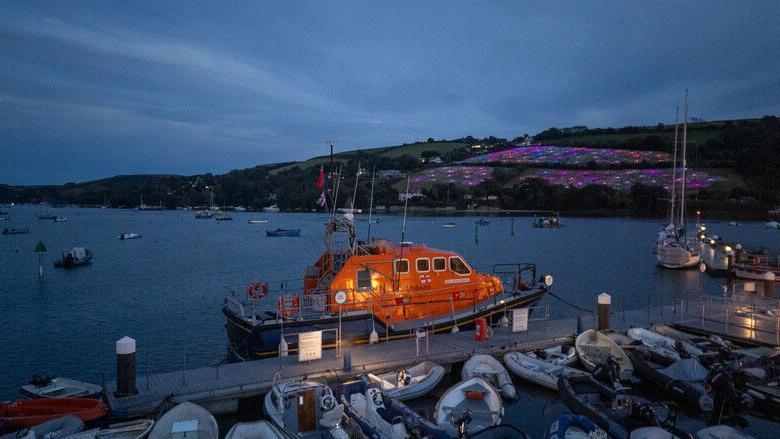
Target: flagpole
371, 205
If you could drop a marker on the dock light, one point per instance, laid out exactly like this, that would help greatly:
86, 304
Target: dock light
712, 241
703, 227
548, 280
702, 236
727, 249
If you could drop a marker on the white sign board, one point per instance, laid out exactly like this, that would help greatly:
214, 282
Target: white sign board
309, 346
519, 319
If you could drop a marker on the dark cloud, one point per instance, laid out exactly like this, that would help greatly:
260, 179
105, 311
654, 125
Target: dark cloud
109, 88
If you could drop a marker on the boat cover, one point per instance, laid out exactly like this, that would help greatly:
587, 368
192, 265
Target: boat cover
79, 252
689, 370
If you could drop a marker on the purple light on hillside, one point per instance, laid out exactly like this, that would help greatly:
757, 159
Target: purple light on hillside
464, 175
622, 179
572, 156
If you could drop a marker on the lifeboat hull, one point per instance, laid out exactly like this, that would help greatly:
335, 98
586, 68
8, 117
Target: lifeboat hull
30, 412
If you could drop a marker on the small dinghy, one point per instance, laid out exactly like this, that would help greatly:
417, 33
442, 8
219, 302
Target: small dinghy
58, 428
60, 219
627, 343
543, 373
58, 387
254, 430
652, 338
448, 225
29, 412
261, 221
77, 257
474, 402
487, 367
184, 420
283, 232
409, 383
721, 432
570, 426
125, 236
563, 355
364, 404
684, 378
137, 429
593, 349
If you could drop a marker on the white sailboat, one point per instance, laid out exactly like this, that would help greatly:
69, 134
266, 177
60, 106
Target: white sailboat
672, 248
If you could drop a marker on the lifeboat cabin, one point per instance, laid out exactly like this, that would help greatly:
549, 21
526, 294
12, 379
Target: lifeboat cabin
374, 292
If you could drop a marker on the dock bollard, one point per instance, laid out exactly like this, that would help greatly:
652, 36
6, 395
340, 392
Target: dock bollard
125, 367
604, 302
347, 361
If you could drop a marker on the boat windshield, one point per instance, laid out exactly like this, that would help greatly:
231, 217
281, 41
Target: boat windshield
457, 265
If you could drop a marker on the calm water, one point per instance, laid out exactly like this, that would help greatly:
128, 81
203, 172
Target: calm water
165, 290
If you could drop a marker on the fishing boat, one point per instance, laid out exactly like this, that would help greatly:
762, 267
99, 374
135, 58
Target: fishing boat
448, 225
304, 409
260, 221
13, 231
492, 371
126, 236
570, 426
77, 257
136, 429
368, 289
59, 387
58, 428
673, 250
46, 216
474, 403
29, 412
254, 430
272, 208
540, 372
593, 349
283, 232
407, 383
365, 405
562, 355
683, 379
185, 420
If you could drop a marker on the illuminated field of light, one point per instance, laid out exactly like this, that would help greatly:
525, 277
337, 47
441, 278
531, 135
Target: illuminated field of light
463, 175
570, 156
622, 179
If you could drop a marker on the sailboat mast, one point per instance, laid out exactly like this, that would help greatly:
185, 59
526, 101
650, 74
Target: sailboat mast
354, 192
371, 204
674, 164
684, 163
406, 203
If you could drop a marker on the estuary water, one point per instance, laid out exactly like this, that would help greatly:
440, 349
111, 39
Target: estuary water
166, 289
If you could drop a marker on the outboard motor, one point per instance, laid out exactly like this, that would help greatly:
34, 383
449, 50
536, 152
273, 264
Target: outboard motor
462, 421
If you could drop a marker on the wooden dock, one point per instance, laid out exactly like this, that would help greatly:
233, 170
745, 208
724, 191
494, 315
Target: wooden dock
219, 388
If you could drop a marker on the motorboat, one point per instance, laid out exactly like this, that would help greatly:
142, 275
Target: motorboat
571, 426
684, 378
407, 383
448, 225
483, 222
377, 290
492, 371
272, 208
14, 231
283, 232
562, 355
548, 222
185, 420
223, 217
260, 221
305, 409
760, 265
57, 428
204, 214
46, 216
472, 406
77, 257
254, 430
60, 219
59, 387
30, 412
365, 405
593, 349
126, 236
537, 371
135, 429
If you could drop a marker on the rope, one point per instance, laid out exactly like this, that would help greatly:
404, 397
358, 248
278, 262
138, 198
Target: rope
570, 304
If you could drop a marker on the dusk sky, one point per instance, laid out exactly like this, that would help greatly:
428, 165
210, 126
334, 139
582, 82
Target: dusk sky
94, 89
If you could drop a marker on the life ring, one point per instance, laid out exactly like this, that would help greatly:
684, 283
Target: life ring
328, 402
288, 305
257, 290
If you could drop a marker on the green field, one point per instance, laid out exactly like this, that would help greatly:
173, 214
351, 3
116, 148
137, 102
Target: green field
699, 137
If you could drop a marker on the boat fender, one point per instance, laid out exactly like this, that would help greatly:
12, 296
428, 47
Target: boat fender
283, 348
328, 402
373, 337
377, 398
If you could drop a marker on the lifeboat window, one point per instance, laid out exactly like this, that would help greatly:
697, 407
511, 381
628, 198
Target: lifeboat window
439, 264
423, 265
458, 266
401, 266
363, 279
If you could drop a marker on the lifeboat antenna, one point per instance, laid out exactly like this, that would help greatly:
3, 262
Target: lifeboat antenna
336, 195
371, 204
406, 203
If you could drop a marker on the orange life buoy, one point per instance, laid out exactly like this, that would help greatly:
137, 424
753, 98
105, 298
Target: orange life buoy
288, 305
256, 290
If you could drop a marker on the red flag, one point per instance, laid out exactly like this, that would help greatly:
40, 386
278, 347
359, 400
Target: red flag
321, 179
